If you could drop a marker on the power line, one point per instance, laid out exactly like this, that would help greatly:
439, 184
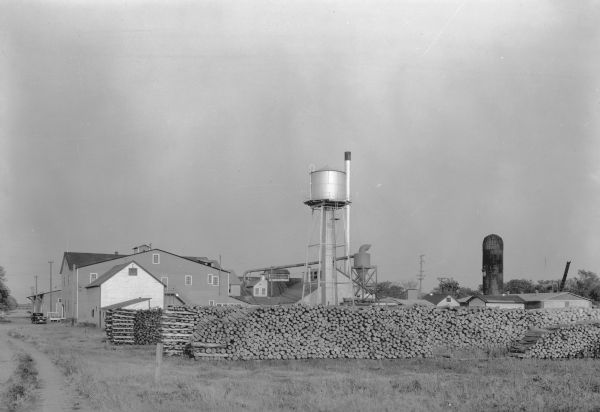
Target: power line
421, 274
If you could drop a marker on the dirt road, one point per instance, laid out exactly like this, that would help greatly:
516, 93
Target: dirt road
54, 395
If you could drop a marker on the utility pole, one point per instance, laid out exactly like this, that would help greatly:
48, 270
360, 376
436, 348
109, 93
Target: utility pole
35, 285
421, 275
50, 262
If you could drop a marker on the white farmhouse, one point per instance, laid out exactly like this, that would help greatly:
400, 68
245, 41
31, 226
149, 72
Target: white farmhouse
127, 285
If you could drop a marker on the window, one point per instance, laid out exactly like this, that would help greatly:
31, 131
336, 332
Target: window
156, 258
165, 281
213, 279
93, 277
92, 313
188, 280
448, 299
132, 271
59, 300
211, 303
258, 291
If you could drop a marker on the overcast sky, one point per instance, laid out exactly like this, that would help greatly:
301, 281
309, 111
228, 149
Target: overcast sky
192, 126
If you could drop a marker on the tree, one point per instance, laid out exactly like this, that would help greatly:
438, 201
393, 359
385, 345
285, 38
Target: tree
447, 285
586, 284
11, 303
4, 291
409, 284
547, 286
463, 292
519, 286
389, 289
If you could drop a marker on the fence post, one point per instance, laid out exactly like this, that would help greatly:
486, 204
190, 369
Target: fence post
158, 366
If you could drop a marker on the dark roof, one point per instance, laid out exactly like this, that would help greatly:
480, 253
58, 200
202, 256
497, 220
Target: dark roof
123, 304
116, 269
436, 298
44, 293
85, 259
177, 296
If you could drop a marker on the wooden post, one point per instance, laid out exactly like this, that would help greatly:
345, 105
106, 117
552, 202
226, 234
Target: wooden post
158, 366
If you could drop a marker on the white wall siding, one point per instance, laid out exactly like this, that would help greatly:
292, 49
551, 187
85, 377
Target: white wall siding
506, 305
122, 287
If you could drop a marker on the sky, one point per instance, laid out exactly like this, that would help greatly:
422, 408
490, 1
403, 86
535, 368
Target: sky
192, 126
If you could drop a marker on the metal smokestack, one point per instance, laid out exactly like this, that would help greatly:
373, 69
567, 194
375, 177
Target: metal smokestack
347, 162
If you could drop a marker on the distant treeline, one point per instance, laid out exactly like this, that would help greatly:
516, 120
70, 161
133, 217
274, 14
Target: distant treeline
586, 284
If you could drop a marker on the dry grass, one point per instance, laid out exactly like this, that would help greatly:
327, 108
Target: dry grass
20, 388
110, 378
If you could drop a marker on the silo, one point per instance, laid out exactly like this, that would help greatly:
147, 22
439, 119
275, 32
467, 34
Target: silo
492, 267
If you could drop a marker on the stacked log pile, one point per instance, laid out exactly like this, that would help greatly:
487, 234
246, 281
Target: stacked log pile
176, 329
519, 348
301, 332
567, 341
108, 324
146, 327
121, 326
316, 332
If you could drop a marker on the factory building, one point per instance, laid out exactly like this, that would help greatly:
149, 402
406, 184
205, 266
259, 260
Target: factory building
184, 280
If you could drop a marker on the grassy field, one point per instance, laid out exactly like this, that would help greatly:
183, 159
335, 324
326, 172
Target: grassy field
109, 378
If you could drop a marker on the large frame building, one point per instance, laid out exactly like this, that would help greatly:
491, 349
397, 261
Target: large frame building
186, 280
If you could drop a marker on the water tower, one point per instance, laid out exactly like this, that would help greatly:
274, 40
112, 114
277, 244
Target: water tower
492, 267
329, 200
364, 275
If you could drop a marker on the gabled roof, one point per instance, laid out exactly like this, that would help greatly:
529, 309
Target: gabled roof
538, 297
436, 298
494, 299
124, 304
85, 259
116, 269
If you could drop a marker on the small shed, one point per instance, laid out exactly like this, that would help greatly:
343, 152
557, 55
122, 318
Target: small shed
441, 300
557, 300
494, 301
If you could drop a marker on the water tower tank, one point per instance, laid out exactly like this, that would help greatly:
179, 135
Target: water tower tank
327, 185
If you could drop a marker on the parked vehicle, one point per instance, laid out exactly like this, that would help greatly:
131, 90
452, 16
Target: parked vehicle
37, 317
